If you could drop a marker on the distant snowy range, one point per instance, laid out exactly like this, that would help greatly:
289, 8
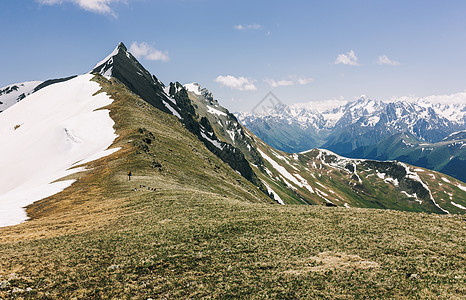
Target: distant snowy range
428, 132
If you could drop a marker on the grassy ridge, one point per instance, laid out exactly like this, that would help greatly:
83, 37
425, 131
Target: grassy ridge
207, 232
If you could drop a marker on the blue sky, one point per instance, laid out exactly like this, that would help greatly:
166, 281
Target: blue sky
300, 50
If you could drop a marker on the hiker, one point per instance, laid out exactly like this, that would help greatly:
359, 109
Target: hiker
129, 175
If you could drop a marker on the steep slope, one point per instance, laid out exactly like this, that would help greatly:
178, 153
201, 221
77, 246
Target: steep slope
173, 99
14, 93
223, 124
188, 226
322, 177
199, 234
44, 137
283, 177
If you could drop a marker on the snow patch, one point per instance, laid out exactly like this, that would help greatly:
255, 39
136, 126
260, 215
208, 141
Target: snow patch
458, 205
111, 55
194, 88
275, 195
412, 196
215, 111
280, 169
415, 176
213, 142
304, 183
461, 187
171, 109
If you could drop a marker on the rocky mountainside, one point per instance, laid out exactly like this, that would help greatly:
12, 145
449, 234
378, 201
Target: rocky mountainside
189, 223
359, 128
317, 177
297, 178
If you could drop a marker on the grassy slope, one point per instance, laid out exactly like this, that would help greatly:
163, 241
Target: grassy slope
338, 185
208, 233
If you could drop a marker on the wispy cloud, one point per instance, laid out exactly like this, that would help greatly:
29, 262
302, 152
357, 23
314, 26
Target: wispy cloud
277, 83
143, 50
248, 27
236, 83
456, 98
348, 58
384, 60
305, 80
96, 6
294, 80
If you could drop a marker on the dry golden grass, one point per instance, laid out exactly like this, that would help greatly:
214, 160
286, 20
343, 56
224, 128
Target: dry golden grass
207, 233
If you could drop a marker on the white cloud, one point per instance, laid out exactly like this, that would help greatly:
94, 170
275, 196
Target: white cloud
384, 60
456, 98
248, 26
96, 6
236, 83
143, 50
274, 83
304, 81
348, 58
322, 105
288, 82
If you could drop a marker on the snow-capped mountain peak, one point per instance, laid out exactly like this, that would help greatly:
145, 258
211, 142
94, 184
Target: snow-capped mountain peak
194, 88
12, 94
357, 123
120, 47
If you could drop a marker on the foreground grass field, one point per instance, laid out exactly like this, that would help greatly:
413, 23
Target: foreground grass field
190, 244
205, 232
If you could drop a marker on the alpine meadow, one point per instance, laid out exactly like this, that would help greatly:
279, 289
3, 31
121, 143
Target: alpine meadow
116, 185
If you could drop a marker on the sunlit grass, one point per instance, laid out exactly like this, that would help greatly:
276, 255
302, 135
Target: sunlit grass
207, 232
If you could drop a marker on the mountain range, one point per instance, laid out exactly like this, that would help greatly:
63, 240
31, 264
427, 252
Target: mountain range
311, 177
115, 185
417, 133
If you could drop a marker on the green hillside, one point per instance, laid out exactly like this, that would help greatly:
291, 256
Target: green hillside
447, 156
206, 232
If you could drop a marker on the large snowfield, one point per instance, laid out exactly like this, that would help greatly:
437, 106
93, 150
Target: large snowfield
45, 135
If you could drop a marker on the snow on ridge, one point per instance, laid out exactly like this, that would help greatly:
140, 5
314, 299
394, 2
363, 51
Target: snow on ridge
194, 88
458, 205
461, 187
171, 109
454, 133
280, 169
111, 55
414, 176
12, 94
215, 111
275, 195
213, 142
62, 126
